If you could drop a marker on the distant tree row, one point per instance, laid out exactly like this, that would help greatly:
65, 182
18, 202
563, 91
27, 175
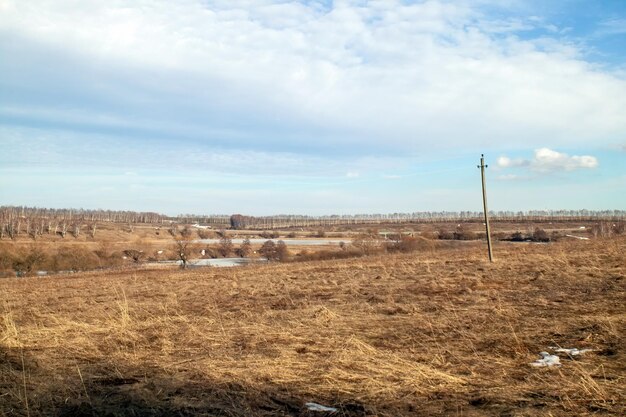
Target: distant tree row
238, 221
114, 216
36, 221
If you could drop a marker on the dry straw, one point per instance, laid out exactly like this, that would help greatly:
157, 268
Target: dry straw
436, 332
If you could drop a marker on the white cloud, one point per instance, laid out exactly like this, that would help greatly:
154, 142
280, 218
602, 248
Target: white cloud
506, 162
419, 75
546, 160
611, 27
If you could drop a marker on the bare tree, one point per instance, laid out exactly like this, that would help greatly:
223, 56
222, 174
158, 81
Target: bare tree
34, 232
368, 243
275, 251
182, 250
186, 232
226, 246
92, 229
11, 230
282, 252
76, 229
245, 249
27, 262
268, 249
136, 255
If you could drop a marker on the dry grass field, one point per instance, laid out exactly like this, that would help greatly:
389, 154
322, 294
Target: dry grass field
437, 332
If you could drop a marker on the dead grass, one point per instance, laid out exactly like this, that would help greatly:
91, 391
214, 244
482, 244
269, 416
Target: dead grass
440, 332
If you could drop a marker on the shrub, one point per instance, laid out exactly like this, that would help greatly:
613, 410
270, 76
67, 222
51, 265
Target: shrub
463, 234
225, 247
282, 251
368, 243
407, 244
445, 234
204, 234
27, 261
268, 250
325, 254
136, 255
540, 235
245, 250
275, 251
74, 259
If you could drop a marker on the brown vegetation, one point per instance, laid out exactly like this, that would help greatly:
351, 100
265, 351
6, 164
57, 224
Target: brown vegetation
438, 332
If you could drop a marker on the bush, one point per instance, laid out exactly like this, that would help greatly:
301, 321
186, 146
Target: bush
204, 234
445, 234
74, 259
462, 234
275, 251
28, 261
282, 251
540, 235
321, 255
368, 243
136, 255
225, 247
245, 250
268, 250
408, 244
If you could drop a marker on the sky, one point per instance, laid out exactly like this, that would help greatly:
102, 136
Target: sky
268, 107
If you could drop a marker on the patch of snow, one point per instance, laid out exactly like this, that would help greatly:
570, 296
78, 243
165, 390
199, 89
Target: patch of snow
578, 237
546, 360
571, 352
319, 407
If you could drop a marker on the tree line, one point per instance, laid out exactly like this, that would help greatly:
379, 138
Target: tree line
238, 221
36, 221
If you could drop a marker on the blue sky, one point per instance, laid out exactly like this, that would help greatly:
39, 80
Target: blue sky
312, 107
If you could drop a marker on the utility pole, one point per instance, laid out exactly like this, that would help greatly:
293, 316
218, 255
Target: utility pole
482, 167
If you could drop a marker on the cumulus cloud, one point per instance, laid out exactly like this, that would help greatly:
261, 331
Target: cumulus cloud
506, 162
546, 160
350, 76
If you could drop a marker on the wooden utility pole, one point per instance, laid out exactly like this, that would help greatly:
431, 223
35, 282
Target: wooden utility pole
482, 167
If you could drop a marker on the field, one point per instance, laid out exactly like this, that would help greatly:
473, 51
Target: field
121, 245
435, 332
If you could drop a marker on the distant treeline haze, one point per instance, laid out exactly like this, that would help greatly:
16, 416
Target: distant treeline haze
35, 221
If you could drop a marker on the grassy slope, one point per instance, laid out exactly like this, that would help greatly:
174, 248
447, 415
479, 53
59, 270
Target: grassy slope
423, 334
